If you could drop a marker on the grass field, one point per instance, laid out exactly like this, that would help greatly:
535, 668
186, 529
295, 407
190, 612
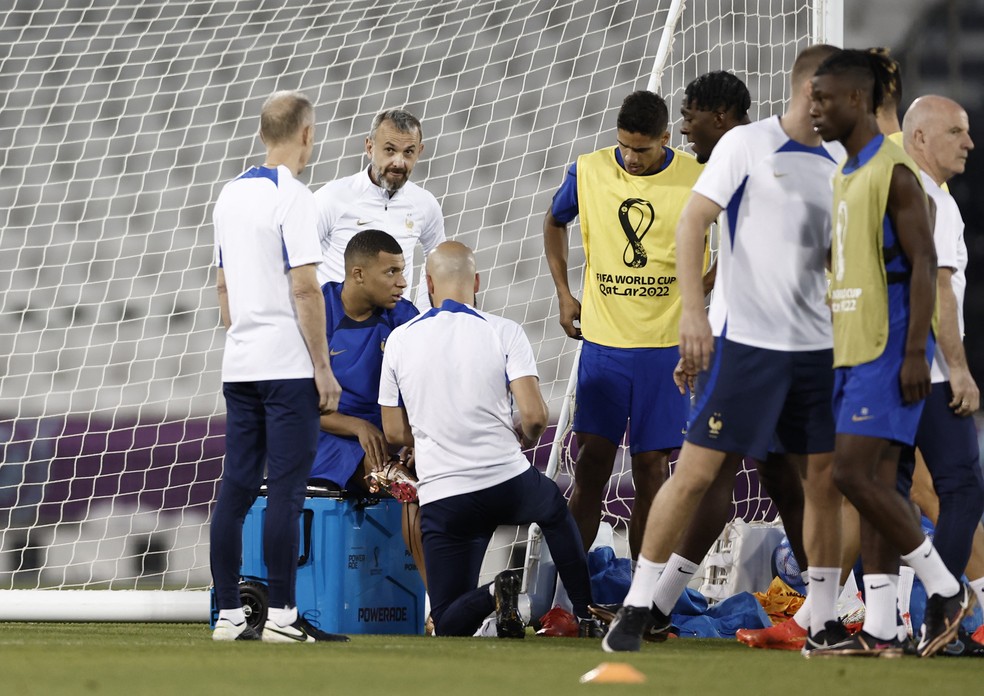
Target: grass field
136, 659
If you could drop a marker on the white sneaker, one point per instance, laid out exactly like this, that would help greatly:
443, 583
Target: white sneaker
227, 630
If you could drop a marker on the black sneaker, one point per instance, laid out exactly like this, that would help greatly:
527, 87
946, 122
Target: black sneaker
942, 622
301, 631
832, 636
963, 646
658, 631
509, 622
590, 628
626, 629
863, 644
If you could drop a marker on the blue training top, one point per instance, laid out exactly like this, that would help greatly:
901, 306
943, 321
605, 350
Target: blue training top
356, 351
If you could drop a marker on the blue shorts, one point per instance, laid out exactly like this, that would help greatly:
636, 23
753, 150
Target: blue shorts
753, 400
868, 397
337, 459
616, 385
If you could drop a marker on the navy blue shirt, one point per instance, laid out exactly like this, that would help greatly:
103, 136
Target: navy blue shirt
356, 351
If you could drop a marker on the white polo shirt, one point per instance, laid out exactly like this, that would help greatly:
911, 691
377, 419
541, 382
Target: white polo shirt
770, 290
452, 366
951, 252
265, 225
349, 205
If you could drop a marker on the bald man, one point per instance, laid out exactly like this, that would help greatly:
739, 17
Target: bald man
447, 366
936, 135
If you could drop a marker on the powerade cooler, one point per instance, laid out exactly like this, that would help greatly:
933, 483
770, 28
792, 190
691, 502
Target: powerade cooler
354, 573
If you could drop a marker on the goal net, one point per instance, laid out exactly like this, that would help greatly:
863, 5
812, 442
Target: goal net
120, 122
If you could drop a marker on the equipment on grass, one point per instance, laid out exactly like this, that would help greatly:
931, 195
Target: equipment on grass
785, 566
354, 573
121, 122
558, 623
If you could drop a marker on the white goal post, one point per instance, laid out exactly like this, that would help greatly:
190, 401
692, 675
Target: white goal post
120, 122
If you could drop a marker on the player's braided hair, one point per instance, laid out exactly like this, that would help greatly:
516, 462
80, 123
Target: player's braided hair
719, 91
644, 113
888, 71
871, 71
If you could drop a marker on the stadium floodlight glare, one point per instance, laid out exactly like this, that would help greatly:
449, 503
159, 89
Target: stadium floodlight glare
122, 120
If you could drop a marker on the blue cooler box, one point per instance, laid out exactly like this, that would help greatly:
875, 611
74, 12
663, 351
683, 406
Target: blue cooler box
354, 575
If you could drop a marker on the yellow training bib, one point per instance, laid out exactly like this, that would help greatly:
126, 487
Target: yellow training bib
628, 226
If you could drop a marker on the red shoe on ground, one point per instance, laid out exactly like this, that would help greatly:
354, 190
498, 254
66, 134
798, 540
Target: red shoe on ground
788, 635
558, 623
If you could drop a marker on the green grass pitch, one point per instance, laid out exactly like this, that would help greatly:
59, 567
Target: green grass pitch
180, 659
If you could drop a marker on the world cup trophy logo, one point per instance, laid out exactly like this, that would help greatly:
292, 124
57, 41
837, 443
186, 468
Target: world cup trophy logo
636, 216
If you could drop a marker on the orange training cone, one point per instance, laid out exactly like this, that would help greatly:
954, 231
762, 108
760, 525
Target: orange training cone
613, 673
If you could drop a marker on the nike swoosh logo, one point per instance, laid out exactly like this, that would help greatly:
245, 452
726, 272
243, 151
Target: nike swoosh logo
778, 175
360, 223
858, 419
681, 570
333, 353
813, 579
301, 636
878, 587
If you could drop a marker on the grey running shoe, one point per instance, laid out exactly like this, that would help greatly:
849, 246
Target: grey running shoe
626, 629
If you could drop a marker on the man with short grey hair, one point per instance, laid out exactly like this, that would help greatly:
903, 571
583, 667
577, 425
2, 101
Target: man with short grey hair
936, 134
382, 197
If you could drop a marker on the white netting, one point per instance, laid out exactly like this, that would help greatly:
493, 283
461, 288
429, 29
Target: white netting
121, 119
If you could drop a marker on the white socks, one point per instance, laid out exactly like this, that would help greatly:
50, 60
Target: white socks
802, 615
673, 582
931, 571
282, 617
233, 616
644, 583
823, 596
880, 599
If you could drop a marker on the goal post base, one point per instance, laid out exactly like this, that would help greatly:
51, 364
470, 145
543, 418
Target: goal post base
136, 606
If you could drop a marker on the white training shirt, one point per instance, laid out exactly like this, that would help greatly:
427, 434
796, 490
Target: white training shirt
452, 366
264, 225
349, 205
951, 252
776, 193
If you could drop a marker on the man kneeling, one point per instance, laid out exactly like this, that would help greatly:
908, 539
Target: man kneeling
448, 365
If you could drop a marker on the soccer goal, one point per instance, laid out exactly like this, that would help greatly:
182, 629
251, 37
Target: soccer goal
122, 120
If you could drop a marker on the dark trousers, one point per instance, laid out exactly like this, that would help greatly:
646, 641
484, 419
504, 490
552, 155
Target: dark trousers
272, 423
456, 533
948, 443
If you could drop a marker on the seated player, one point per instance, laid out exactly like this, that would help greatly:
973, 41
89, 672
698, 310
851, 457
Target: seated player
361, 313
